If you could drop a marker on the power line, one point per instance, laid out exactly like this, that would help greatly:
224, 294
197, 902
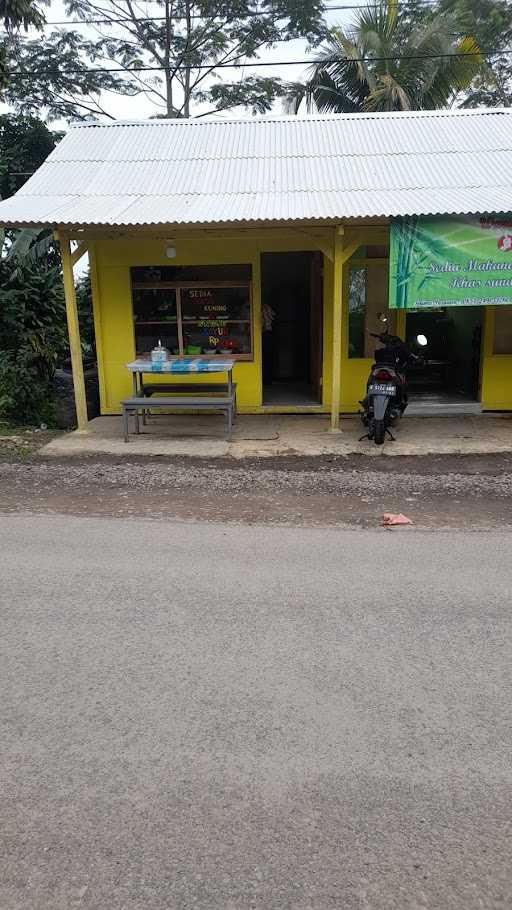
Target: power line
220, 14
259, 63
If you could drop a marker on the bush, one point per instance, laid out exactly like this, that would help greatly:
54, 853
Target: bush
33, 339
85, 316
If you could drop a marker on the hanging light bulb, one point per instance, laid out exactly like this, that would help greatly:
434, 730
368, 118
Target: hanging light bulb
170, 250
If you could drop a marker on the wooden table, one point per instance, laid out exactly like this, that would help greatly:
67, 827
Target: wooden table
223, 400
189, 366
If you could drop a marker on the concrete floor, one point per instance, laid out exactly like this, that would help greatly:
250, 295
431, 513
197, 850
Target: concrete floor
284, 393
245, 718
267, 435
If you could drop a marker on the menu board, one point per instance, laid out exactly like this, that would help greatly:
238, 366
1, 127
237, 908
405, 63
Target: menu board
216, 319
191, 318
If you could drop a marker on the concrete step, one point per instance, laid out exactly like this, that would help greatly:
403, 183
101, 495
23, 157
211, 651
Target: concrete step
437, 407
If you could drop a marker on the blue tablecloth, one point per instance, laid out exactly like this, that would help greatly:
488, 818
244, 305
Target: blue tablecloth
182, 365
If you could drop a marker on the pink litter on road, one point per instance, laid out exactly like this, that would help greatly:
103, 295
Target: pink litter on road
389, 520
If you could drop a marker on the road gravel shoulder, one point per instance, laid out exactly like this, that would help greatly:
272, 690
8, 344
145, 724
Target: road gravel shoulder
434, 491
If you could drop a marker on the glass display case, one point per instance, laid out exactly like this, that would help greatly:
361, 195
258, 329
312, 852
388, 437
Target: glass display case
191, 317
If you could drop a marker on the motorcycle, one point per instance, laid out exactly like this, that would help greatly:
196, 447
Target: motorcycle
386, 390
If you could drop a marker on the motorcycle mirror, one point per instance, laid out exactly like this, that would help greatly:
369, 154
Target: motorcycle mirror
422, 340
382, 318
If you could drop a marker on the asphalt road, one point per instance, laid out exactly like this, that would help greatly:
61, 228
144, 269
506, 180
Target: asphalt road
216, 716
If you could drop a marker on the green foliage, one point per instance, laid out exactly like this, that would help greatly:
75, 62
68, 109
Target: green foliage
490, 21
25, 143
184, 47
33, 339
85, 314
392, 58
33, 328
15, 14
54, 75
255, 92
20, 13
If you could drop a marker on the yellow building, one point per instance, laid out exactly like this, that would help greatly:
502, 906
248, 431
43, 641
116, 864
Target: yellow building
268, 239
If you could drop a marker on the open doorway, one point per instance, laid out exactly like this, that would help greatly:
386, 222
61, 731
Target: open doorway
291, 293
451, 372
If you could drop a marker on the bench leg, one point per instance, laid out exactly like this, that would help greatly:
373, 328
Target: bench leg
136, 416
229, 423
125, 424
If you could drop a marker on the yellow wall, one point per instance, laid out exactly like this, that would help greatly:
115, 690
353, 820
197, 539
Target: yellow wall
496, 373
497, 383
354, 373
496, 369
355, 370
111, 260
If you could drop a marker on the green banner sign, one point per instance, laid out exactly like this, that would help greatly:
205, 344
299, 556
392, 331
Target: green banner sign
441, 262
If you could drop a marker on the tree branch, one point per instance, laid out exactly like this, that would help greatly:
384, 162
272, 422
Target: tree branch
143, 38
227, 59
97, 109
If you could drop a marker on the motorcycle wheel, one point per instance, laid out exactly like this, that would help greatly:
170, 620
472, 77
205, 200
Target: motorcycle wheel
379, 432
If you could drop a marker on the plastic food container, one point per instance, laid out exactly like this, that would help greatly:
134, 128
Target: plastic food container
159, 354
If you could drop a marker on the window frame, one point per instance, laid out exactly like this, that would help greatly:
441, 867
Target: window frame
364, 262
362, 267
494, 331
180, 286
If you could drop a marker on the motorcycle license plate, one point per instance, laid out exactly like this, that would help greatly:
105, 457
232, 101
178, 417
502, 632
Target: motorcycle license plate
381, 388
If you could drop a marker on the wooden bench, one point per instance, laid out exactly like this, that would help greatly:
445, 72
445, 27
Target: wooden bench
154, 388
188, 388
224, 403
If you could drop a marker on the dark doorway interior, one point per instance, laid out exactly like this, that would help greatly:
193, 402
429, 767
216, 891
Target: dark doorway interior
292, 321
452, 368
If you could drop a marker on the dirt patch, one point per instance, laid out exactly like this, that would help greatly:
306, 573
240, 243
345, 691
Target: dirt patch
492, 464
21, 441
445, 491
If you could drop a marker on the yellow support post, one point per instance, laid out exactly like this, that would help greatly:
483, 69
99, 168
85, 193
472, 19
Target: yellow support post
337, 308
342, 253
401, 323
74, 333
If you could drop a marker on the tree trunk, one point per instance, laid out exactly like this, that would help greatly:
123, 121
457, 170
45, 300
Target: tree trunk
186, 86
167, 59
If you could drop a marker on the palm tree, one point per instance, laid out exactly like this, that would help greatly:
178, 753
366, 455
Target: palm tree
392, 58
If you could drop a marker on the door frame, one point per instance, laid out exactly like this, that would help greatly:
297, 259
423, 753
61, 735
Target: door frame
401, 325
316, 323
316, 326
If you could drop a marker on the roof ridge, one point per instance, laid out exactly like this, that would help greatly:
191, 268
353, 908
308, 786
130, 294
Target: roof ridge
260, 157
290, 118
270, 193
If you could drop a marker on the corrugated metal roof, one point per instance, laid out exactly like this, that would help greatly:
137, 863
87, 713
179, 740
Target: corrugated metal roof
172, 172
